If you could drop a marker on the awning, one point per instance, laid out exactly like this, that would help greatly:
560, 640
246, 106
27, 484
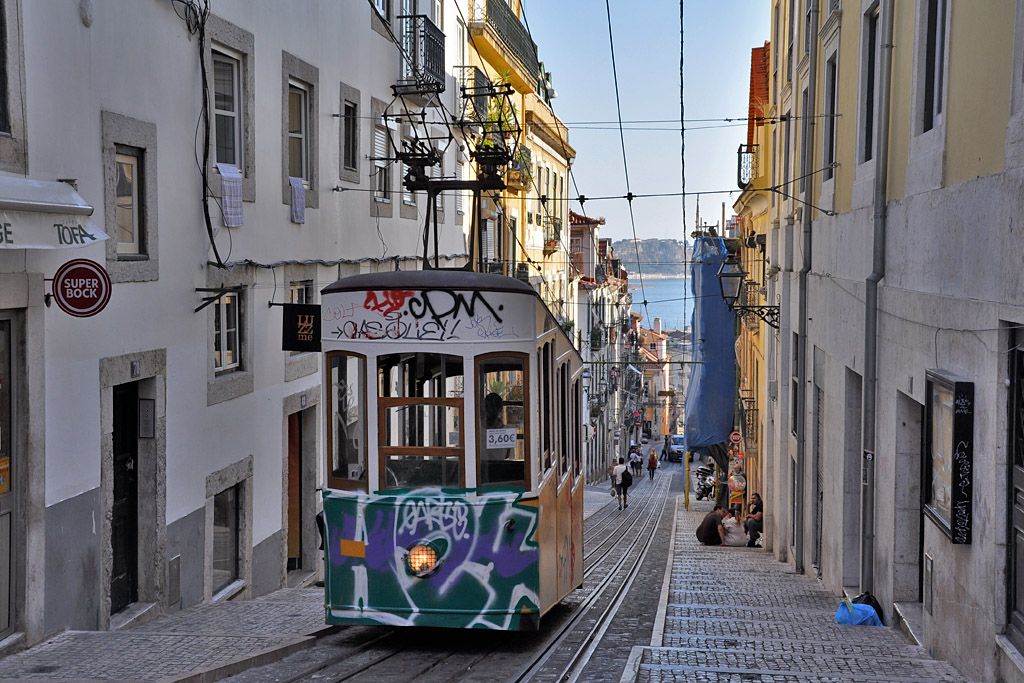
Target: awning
44, 214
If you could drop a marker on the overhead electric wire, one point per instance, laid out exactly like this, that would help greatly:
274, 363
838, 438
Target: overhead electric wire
625, 167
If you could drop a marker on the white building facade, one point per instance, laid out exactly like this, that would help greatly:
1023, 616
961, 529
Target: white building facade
164, 452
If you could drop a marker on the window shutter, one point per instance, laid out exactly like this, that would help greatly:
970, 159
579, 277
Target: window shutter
380, 146
461, 175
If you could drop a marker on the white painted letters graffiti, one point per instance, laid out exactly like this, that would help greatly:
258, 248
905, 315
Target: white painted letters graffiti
450, 517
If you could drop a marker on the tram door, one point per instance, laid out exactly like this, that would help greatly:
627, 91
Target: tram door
124, 533
6, 484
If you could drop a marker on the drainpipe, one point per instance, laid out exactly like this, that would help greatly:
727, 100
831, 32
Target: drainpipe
867, 516
807, 152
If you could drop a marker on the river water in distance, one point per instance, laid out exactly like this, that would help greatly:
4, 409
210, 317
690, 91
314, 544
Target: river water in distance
667, 298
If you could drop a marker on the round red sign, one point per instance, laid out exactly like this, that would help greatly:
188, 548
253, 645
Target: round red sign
81, 288
735, 437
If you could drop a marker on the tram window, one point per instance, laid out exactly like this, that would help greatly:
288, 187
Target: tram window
577, 426
421, 432
563, 422
545, 414
346, 406
502, 397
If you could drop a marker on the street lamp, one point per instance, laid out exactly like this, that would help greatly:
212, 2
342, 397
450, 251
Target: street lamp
730, 280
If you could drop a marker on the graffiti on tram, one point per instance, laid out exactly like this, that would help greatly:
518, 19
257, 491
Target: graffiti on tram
487, 577
421, 315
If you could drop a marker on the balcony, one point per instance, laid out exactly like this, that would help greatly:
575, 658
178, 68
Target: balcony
750, 295
505, 43
747, 166
474, 91
552, 235
423, 72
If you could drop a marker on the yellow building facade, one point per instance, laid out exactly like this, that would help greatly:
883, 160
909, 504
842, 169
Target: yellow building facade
895, 138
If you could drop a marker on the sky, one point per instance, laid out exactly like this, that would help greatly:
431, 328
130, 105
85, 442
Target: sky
572, 39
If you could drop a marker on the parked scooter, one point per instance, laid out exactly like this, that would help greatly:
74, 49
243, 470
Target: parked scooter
704, 482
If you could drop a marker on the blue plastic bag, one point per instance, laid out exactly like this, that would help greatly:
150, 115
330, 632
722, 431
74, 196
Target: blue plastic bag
857, 614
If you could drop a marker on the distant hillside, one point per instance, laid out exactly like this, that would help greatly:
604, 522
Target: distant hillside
657, 257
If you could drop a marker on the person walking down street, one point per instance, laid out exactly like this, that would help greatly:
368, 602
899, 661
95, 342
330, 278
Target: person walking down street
711, 531
635, 463
652, 464
620, 488
754, 523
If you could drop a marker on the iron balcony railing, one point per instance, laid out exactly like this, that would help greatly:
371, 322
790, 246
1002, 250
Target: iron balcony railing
500, 17
474, 90
747, 168
423, 44
750, 295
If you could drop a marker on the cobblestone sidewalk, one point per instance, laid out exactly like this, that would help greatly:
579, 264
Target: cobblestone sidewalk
736, 614
204, 642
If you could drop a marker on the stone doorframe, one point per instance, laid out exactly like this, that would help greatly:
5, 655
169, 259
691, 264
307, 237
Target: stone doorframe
307, 404
149, 370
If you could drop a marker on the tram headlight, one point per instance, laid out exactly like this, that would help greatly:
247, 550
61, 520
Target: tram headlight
423, 559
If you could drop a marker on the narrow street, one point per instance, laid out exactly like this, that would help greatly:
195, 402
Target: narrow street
685, 613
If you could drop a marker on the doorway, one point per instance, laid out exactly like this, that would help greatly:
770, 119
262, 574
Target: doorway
294, 491
124, 531
1015, 429
7, 473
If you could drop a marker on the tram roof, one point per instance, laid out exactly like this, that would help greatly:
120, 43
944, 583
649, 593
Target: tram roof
430, 279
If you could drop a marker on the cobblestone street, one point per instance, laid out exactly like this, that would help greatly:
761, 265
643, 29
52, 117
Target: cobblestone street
736, 614
718, 614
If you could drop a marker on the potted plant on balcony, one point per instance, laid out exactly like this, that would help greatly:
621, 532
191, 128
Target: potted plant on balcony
520, 170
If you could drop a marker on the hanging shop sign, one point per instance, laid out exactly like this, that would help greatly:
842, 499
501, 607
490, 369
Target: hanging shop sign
300, 327
81, 288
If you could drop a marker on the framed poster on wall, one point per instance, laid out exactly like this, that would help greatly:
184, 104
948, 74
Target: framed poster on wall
949, 454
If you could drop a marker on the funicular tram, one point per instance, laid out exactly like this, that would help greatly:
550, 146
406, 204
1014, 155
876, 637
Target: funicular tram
454, 487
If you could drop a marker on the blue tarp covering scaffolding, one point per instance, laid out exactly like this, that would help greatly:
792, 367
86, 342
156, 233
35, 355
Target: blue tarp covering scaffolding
711, 393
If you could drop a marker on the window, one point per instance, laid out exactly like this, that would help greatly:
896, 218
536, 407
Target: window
382, 7
346, 421
786, 152
829, 130
437, 172
808, 37
934, 58
226, 333
653, 346
298, 132
789, 40
460, 43
227, 105
350, 135
805, 112
460, 173
439, 13
775, 154
949, 453
5, 105
775, 60
870, 82
544, 358
502, 432
301, 292
407, 196
382, 174
300, 128
420, 401
127, 206
225, 538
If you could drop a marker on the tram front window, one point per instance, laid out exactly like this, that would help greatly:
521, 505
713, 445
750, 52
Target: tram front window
420, 398
502, 396
347, 422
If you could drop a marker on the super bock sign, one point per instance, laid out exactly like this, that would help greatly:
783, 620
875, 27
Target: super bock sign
81, 288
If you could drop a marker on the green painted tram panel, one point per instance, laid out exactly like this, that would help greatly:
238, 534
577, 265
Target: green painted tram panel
486, 573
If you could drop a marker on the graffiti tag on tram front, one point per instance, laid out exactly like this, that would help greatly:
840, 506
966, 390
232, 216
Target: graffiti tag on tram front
451, 517
425, 315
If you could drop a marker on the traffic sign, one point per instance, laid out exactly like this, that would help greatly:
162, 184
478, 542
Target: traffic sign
735, 437
81, 288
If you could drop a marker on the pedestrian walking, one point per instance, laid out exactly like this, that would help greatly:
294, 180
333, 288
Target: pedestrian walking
620, 487
652, 464
635, 463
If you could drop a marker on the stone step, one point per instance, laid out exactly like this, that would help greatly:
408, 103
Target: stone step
779, 630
